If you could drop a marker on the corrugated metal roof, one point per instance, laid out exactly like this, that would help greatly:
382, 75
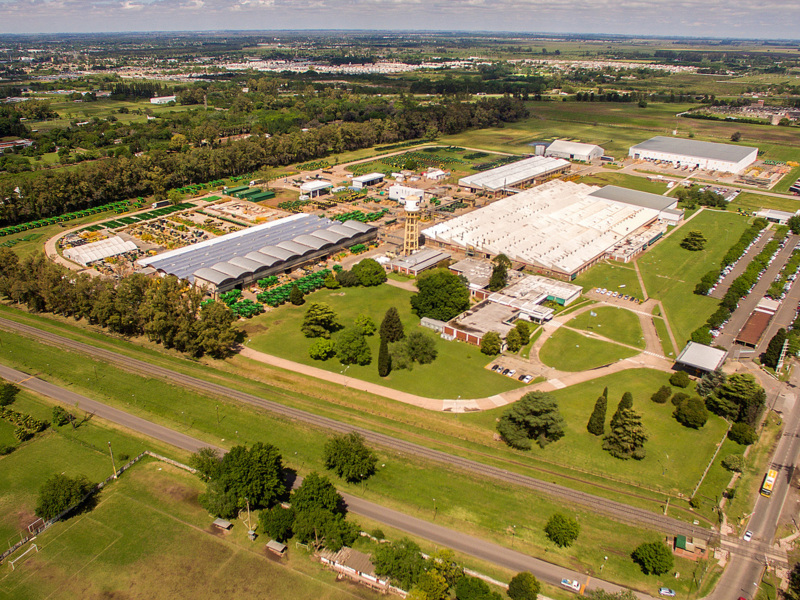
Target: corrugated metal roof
702, 357
696, 148
635, 197
754, 328
514, 173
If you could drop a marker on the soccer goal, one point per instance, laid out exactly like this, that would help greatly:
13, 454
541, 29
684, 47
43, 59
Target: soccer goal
21, 556
35, 525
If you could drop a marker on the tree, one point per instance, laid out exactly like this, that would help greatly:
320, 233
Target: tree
524, 330
523, 586
391, 326
794, 224
743, 434
491, 344
442, 295
513, 340
431, 585
319, 321
710, 382
653, 557
502, 260
296, 296
206, 462
534, 416
773, 353
60, 492
317, 492
680, 379
348, 457
662, 395
331, 282
627, 436
499, 278
736, 136
400, 561
319, 514
365, 324
694, 241
472, 588
352, 348
369, 272
561, 530
348, 279
740, 398
322, 349
277, 522
421, 347
597, 422
793, 590
61, 416
625, 402
692, 413
216, 335
8, 393
384, 359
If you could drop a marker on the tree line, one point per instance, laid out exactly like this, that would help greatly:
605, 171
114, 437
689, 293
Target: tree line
166, 310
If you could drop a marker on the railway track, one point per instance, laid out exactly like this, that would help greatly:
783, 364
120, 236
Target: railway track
605, 506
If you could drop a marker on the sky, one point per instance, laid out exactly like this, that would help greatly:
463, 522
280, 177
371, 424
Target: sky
770, 19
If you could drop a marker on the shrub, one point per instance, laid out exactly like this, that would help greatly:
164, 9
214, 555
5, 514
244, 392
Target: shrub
58, 493
742, 433
491, 343
322, 349
662, 395
734, 462
680, 379
523, 586
653, 557
692, 413
679, 398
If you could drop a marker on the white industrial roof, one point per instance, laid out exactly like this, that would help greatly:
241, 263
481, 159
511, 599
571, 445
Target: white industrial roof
696, 148
635, 197
368, 177
702, 357
313, 186
514, 173
89, 253
557, 225
565, 147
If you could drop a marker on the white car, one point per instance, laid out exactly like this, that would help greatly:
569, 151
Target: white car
665, 591
571, 584
748, 536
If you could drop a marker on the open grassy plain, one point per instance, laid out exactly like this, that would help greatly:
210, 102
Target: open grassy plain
612, 275
613, 323
567, 350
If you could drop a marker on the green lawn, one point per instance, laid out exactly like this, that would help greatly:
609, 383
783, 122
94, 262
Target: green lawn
663, 337
567, 350
7, 434
627, 181
614, 323
750, 201
676, 455
278, 332
612, 275
670, 273
787, 180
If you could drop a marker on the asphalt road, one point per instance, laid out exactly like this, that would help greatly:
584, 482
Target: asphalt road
461, 542
616, 510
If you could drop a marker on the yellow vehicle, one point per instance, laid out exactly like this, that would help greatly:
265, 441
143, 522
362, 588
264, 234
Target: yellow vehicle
769, 483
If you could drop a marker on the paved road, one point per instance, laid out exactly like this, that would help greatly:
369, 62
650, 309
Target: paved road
613, 509
749, 302
743, 574
461, 542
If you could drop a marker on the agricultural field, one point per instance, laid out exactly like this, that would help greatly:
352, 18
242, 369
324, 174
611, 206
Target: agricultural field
458, 161
627, 181
277, 332
614, 323
567, 350
670, 273
753, 201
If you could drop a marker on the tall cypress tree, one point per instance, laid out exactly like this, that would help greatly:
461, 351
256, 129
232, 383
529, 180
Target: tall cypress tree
597, 422
384, 359
391, 326
625, 402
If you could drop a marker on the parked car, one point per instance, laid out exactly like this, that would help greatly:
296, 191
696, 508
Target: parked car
496, 367
748, 536
527, 379
512, 372
665, 591
506, 371
571, 584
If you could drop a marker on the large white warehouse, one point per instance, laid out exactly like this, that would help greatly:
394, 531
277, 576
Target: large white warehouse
535, 169
574, 151
696, 154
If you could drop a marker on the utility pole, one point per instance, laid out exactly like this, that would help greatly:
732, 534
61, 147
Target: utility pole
111, 452
783, 355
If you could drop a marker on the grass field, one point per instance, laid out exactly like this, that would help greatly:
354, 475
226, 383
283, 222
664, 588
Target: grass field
278, 332
787, 181
663, 337
611, 275
567, 350
673, 460
627, 181
751, 202
149, 534
614, 323
670, 273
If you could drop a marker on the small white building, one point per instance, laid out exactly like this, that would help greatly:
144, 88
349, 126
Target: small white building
401, 192
436, 174
315, 188
162, 99
776, 216
574, 151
